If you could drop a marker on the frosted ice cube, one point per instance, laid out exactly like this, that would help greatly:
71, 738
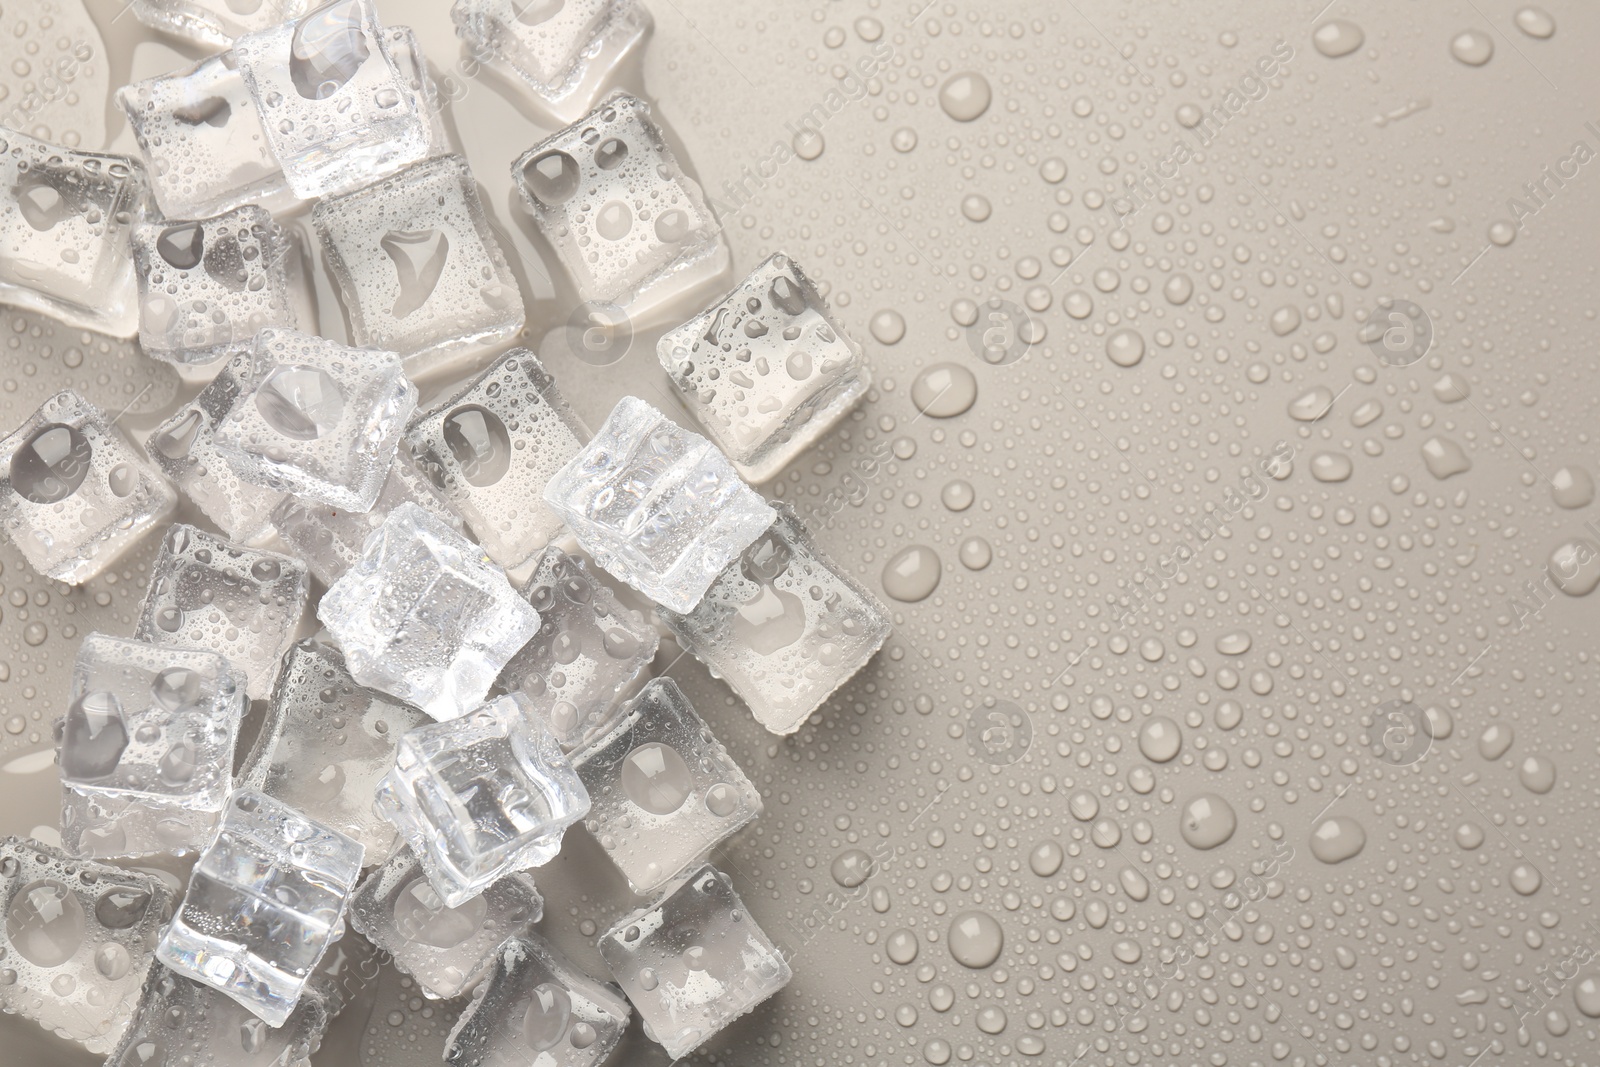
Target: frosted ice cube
663, 790
406, 51
481, 797
767, 370
785, 626
337, 110
77, 937
264, 903
330, 539
425, 616
74, 493
242, 603
536, 1007
563, 52
327, 743
146, 747
657, 505
208, 286
588, 654
693, 962
630, 225
317, 419
418, 268
203, 145
494, 446
446, 949
185, 448
181, 1023
64, 222
216, 22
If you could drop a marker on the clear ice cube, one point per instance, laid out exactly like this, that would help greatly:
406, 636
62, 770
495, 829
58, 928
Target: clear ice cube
785, 626
446, 949
632, 228
588, 655
494, 446
181, 1023
663, 791
77, 940
242, 603
657, 505
216, 22
317, 419
330, 539
74, 493
563, 52
693, 962
409, 59
208, 286
337, 110
204, 147
425, 616
536, 1007
418, 267
767, 370
481, 797
327, 743
184, 447
65, 216
146, 747
264, 903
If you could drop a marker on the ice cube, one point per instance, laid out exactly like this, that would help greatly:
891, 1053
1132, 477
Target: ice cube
494, 446
317, 419
588, 654
767, 371
693, 962
419, 270
663, 790
202, 140
181, 1023
208, 286
327, 743
337, 110
425, 616
481, 797
242, 603
563, 52
77, 940
630, 225
406, 51
75, 494
216, 22
657, 505
64, 222
446, 949
535, 1007
146, 747
785, 626
330, 539
264, 903
185, 448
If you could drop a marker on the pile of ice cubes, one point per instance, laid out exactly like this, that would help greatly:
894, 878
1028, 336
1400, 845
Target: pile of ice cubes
481, 682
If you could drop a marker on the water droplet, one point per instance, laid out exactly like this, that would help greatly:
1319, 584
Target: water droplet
1046, 859
1574, 566
944, 390
1207, 821
553, 178
94, 737
655, 777
1472, 47
975, 939
975, 553
965, 96
45, 923
51, 464
545, 1022
887, 327
1495, 741
420, 915
851, 867
1125, 347
1444, 458
912, 573
958, 495
1572, 487
479, 443
1537, 773
300, 402
1160, 739
1535, 22
902, 946
1337, 37
1337, 839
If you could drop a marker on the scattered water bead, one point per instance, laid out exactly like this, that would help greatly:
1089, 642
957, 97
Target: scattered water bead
1472, 47
1535, 22
1160, 739
912, 574
1337, 839
1207, 821
965, 96
944, 390
1337, 37
975, 939
1572, 487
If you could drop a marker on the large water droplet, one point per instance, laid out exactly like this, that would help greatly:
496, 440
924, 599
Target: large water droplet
419, 258
1337, 37
1207, 821
1160, 739
851, 867
944, 390
1337, 839
552, 178
94, 737
655, 777
45, 924
480, 444
51, 464
976, 939
300, 402
912, 574
545, 1022
965, 96
182, 246
420, 915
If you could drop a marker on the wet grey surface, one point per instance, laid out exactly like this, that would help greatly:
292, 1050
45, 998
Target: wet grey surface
1035, 772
